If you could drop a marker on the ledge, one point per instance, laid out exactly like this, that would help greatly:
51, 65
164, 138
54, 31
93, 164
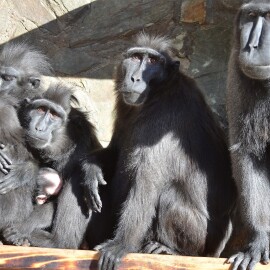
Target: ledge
20, 258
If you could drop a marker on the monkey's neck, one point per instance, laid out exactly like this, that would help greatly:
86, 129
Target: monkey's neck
54, 154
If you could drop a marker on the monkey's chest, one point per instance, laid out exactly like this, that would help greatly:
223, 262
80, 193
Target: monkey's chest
156, 153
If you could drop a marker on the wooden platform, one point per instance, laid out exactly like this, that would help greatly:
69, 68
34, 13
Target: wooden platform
20, 258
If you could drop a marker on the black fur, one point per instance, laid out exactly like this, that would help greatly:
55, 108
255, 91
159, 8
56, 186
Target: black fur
171, 190
71, 141
17, 178
248, 106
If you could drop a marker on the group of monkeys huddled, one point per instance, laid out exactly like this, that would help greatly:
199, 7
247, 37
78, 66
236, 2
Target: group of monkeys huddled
168, 183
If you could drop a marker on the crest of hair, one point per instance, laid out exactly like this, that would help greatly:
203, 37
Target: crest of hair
156, 42
25, 57
60, 94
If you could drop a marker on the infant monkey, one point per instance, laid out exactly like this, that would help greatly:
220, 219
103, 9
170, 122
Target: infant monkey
49, 184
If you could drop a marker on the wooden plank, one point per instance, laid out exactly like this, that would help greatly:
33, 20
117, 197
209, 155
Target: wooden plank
20, 258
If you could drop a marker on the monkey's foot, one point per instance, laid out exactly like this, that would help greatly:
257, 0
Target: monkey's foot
154, 247
256, 251
14, 237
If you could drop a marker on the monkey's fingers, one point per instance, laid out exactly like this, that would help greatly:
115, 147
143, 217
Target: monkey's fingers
6, 160
26, 243
164, 250
150, 247
3, 170
157, 248
231, 259
101, 180
103, 245
246, 263
265, 257
238, 260
110, 259
4, 165
95, 201
93, 194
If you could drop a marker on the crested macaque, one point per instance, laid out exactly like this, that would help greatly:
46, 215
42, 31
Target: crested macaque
170, 184
248, 108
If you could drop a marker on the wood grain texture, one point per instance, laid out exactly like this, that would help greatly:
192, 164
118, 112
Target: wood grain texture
20, 258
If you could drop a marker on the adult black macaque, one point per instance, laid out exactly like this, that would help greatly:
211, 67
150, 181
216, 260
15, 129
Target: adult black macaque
20, 69
58, 137
172, 185
21, 66
248, 106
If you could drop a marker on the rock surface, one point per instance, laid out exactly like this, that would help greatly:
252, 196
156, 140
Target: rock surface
84, 40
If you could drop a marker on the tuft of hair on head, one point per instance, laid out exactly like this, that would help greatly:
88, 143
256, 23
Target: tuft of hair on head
59, 94
25, 57
156, 42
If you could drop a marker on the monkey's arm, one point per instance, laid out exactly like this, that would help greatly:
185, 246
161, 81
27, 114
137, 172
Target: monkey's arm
253, 186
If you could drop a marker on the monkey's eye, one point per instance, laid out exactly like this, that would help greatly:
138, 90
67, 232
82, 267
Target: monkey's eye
267, 16
53, 114
7, 78
252, 14
41, 109
153, 59
136, 57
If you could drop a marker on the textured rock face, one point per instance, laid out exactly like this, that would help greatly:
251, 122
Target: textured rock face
84, 40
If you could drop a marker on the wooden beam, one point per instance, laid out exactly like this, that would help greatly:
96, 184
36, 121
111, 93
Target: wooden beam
24, 258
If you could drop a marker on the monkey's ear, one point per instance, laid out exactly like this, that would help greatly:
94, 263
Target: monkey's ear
26, 100
74, 100
34, 82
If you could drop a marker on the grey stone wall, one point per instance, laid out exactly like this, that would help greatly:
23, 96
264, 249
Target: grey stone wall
84, 40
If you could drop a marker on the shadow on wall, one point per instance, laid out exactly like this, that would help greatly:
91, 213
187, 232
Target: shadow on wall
87, 41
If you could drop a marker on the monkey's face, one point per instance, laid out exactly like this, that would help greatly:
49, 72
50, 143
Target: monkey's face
8, 78
43, 121
16, 83
254, 29
142, 67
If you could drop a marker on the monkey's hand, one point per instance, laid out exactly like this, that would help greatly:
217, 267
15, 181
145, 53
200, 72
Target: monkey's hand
19, 175
12, 180
5, 161
93, 178
111, 253
256, 251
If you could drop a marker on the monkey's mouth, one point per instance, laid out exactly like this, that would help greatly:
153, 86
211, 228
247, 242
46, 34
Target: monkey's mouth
36, 142
257, 72
256, 66
33, 137
129, 94
41, 199
133, 98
